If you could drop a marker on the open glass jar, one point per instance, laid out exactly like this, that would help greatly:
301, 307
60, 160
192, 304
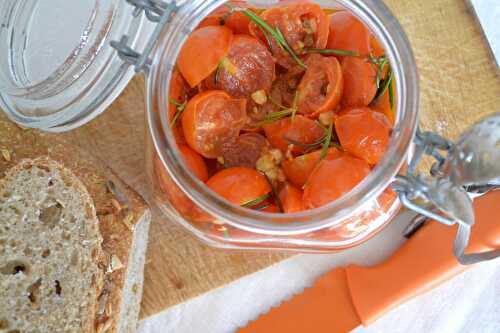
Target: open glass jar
57, 84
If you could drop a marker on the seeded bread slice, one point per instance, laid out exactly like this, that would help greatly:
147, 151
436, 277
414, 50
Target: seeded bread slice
123, 221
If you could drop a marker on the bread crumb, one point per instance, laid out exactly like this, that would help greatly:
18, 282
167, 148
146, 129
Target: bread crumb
128, 221
116, 205
114, 264
104, 326
6, 154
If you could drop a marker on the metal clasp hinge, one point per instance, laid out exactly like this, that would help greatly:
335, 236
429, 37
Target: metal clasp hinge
155, 11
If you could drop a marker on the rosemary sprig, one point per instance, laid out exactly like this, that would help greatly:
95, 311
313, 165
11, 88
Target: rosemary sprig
332, 51
384, 84
274, 32
308, 147
326, 143
264, 206
391, 94
179, 109
381, 62
255, 202
275, 116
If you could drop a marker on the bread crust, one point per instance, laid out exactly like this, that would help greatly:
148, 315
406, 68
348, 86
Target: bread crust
119, 208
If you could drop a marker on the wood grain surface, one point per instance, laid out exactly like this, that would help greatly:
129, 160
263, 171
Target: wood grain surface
459, 85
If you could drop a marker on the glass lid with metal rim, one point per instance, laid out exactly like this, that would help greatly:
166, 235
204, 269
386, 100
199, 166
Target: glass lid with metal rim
58, 69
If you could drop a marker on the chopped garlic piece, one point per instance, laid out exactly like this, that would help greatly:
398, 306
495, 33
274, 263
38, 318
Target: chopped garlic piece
269, 164
326, 118
259, 97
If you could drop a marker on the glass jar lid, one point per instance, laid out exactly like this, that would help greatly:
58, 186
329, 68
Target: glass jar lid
58, 69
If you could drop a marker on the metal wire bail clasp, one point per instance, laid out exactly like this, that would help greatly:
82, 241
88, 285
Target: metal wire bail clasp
155, 11
470, 164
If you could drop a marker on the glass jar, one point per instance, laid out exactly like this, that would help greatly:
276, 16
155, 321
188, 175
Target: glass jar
344, 223
57, 80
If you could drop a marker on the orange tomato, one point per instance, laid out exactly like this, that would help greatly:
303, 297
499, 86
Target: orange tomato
195, 163
298, 170
383, 105
304, 25
363, 133
359, 81
348, 33
321, 87
301, 129
202, 52
291, 199
212, 119
239, 185
332, 179
250, 67
236, 21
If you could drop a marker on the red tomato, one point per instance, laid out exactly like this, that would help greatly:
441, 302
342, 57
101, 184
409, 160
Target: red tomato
359, 81
297, 171
239, 185
212, 119
363, 133
245, 150
195, 163
301, 129
304, 25
249, 68
321, 87
184, 206
332, 179
291, 199
178, 93
236, 21
348, 33
202, 52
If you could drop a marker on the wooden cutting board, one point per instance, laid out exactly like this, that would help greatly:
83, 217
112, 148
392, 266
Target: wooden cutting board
459, 85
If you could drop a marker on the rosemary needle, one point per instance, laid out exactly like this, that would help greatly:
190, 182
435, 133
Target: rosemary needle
179, 110
332, 51
257, 201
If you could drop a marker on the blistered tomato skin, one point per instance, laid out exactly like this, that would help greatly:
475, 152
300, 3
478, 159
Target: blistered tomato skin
239, 185
364, 133
304, 25
332, 179
298, 170
282, 132
359, 81
202, 52
249, 68
291, 199
349, 34
212, 119
321, 87
245, 150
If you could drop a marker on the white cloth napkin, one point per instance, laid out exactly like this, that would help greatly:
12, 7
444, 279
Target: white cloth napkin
468, 303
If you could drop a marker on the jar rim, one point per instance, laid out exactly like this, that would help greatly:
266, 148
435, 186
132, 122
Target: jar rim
389, 32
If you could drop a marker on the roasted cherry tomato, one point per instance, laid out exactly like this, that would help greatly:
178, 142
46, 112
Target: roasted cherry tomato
304, 25
194, 162
285, 132
347, 33
332, 179
245, 150
212, 119
321, 87
298, 170
363, 133
239, 185
248, 67
236, 21
203, 51
174, 194
178, 95
383, 105
291, 199
359, 81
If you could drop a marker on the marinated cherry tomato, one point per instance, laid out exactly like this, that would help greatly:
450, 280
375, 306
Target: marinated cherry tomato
304, 25
284, 132
202, 52
195, 163
321, 87
348, 33
332, 179
297, 170
376, 49
212, 119
291, 199
383, 105
363, 133
174, 194
359, 81
248, 67
245, 150
178, 94
239, 185
236, 21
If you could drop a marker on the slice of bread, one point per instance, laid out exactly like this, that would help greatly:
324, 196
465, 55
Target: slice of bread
123, 221
50, 275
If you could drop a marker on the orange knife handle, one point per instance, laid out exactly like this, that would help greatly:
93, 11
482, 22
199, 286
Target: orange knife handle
422, 263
